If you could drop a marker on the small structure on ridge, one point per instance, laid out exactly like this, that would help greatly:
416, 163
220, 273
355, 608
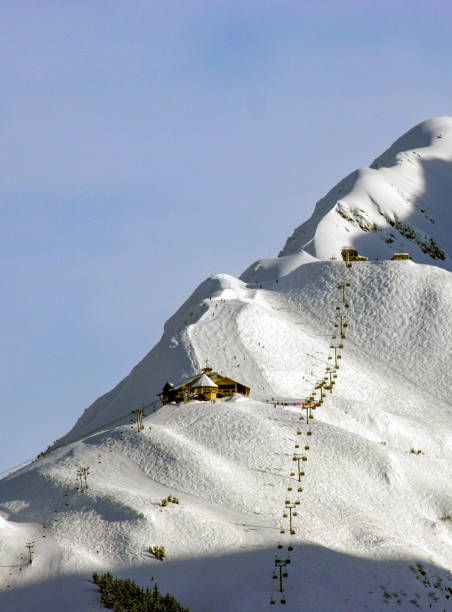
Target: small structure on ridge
350, 254
401, 256
205, 386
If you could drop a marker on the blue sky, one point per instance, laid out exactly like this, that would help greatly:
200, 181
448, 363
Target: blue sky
146, 145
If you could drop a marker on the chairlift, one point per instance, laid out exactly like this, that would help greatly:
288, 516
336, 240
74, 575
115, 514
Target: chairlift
341, 346
309, 433
294, 513
297, 503
280, 545
339, 356
282, 531
288, 561
297, 446
292, 473
301, 473
284, 515
306, 447
275, 577
272, 602
338, 307
345, 324
283, 600
285, 574
290, 547
292, 532
294, 458
298, 432
346, 305
289, 488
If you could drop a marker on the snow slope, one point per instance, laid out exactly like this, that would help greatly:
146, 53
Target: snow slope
368, 503
374, 523
400, 204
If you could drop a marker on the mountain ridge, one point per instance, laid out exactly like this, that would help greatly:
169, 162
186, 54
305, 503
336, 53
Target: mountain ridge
374, 522
399, 203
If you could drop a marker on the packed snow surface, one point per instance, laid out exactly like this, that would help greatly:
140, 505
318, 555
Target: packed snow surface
373, 529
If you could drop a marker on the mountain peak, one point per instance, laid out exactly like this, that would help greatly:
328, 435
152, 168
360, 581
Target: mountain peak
399, 203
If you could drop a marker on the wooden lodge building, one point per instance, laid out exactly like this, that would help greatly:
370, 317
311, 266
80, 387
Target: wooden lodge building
205, 386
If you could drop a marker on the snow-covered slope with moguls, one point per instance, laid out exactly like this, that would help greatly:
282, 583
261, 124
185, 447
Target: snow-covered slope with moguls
373, 529
401, 203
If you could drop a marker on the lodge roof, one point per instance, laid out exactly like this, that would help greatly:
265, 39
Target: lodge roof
204, 381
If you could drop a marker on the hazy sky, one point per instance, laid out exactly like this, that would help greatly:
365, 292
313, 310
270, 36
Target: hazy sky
145, 145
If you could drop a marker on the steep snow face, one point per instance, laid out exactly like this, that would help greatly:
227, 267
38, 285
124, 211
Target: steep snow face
400, 204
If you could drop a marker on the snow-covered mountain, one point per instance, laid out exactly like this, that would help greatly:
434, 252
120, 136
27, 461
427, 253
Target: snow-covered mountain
401, 203
374, 524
